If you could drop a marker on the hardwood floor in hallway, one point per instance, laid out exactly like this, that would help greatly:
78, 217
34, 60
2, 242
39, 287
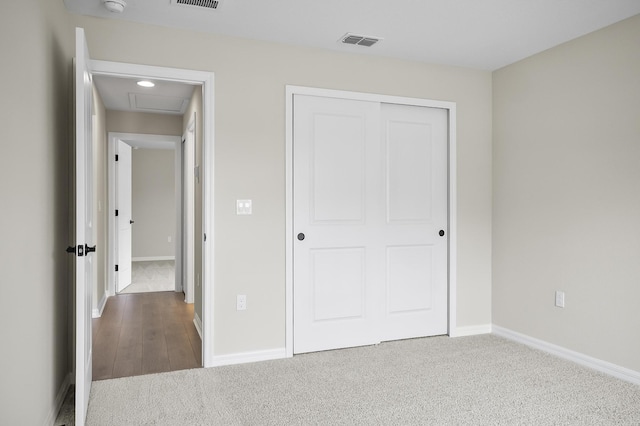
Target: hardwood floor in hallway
145, 333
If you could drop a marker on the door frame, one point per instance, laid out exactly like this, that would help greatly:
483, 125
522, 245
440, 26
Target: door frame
291, 91
187, 211
146, 141
206, 81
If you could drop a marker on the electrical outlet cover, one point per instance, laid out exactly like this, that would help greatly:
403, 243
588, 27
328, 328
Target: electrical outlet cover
241, 302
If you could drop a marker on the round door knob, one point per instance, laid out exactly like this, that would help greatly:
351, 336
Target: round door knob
131, 222
301, 236
441, 233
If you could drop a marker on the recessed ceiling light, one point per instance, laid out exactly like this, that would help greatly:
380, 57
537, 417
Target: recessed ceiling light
146, 83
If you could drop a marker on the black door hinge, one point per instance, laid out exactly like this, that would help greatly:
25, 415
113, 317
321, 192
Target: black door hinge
116, 157
116, 268
116, 212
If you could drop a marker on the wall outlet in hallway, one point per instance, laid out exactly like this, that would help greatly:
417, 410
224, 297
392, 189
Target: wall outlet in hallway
560, 299
241, 302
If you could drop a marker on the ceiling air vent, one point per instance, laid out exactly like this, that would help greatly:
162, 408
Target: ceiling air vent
366, 41
208, 4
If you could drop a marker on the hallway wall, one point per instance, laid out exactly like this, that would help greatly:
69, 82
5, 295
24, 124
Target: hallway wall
153, 203
195, 109
144, 122
100, 211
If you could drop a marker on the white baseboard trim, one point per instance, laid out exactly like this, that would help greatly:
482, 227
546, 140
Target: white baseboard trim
247, 357
198, 323
152, 258
57, 404
471, 330
97, 312
577, 357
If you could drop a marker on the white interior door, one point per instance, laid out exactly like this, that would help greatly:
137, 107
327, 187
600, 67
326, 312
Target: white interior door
123, 220
336, 191
84, 226
414, 143
370, 199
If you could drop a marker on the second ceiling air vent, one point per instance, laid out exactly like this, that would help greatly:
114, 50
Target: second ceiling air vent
207, 4
360, 40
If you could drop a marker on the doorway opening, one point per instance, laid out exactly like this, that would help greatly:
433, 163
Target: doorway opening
145, 243
157, 326
88, 134
178, 239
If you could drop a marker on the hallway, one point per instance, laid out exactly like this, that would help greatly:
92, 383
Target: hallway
145, 333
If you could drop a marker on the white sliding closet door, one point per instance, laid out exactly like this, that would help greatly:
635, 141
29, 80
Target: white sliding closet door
369, 200
415, 207
334, 272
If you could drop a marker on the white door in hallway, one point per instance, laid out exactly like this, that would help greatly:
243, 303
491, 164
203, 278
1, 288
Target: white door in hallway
84, 232
123, 220
370, 199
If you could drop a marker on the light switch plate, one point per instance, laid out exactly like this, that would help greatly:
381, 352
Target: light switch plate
243, 206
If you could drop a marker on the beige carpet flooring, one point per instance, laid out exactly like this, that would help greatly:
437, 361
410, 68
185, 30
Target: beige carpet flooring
478, 380
151, 276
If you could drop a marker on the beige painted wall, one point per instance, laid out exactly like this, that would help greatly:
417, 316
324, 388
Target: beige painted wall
153, 203
250, 79
143, 122
36, 44
100, 217
566, 182
195, 107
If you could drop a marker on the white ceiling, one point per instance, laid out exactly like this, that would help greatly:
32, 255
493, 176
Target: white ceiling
481, 34
124, 94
